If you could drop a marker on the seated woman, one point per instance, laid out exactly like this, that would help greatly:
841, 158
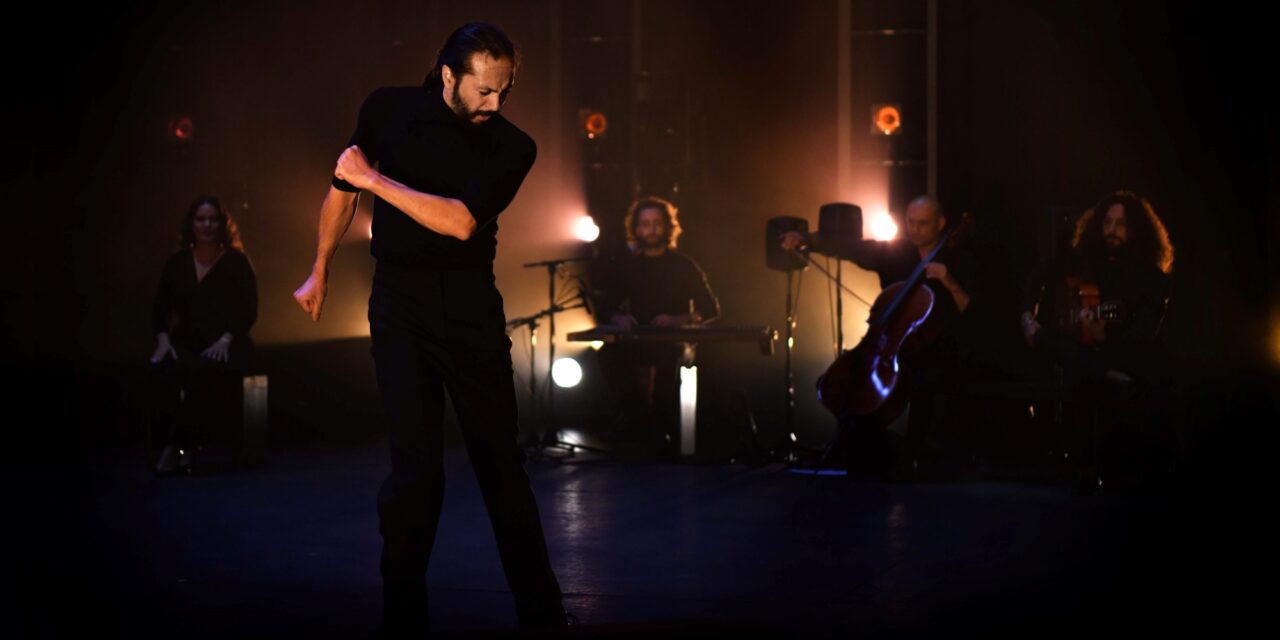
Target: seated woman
204, 306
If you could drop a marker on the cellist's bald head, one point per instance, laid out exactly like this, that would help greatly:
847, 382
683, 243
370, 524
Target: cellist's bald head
924, 222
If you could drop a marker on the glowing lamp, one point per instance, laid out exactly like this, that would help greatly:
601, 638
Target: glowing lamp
886, 119
595, 124
566, 372
586, 229
883, 227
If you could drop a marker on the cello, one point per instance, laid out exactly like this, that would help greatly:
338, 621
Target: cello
867, 382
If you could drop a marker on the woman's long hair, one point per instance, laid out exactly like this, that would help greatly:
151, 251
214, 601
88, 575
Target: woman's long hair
230, 236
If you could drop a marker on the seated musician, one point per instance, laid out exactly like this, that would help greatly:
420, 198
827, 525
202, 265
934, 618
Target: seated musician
949, 276
653, 285
1109, 360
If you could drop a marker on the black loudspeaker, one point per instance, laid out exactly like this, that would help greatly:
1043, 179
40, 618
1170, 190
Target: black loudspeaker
839, 224
775, 257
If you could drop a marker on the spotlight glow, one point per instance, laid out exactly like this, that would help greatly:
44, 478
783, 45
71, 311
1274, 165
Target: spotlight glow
883, 227
566, 372
596, 344
688, 409
887, 119
586, 229
1275, 335
182, 129
595, 123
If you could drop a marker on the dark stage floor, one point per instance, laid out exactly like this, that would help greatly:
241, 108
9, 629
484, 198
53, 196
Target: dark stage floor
642, 550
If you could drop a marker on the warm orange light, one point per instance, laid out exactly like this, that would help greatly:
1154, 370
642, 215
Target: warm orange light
886, 119
595, 124
883, 227
1275, 338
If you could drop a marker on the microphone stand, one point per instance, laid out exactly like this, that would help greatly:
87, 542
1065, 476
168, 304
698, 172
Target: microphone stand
836, 278
550, 436
788, 452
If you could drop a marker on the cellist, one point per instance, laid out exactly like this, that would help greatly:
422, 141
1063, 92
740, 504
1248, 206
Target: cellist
950, 276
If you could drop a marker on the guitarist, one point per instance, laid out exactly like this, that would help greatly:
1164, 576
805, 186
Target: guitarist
950, 277
1122, 247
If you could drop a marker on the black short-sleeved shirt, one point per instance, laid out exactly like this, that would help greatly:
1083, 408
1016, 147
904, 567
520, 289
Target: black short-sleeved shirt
645, 287
420, 142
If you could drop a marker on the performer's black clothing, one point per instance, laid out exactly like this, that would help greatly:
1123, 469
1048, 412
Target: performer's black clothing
934, 369
420, 142
894, 260
645, 287
1120, 429
437, 326
196, 313
1142, 291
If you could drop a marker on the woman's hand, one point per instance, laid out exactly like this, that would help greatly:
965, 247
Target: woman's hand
219, 349
163, 349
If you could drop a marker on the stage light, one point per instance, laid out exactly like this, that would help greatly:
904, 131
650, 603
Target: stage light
566, 372
886, 119
594, 123
883, 227
182, 129
596, 344
586, 229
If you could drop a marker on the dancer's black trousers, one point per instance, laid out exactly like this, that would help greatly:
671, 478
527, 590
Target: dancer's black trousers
435, 332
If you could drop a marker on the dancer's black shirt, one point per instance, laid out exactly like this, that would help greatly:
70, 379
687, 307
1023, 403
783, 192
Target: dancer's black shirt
420, 142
